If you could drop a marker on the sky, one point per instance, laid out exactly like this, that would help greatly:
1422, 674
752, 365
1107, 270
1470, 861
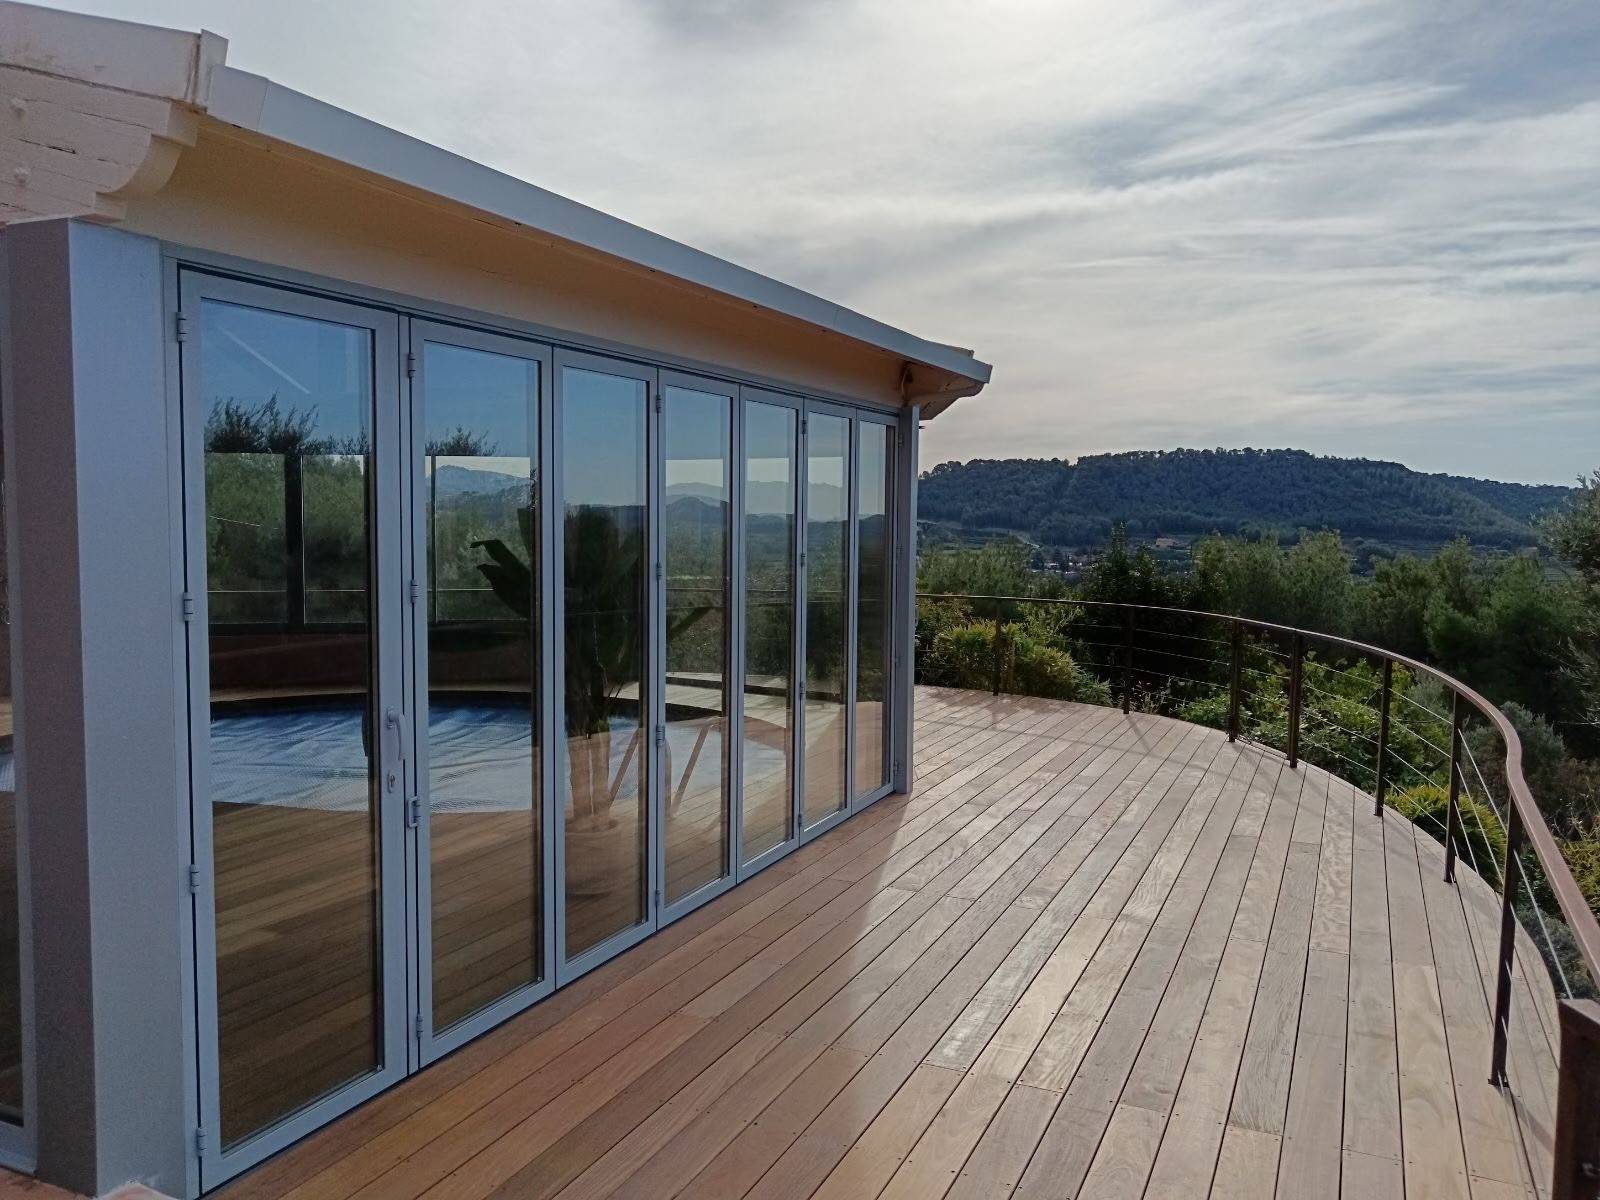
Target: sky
1355, 227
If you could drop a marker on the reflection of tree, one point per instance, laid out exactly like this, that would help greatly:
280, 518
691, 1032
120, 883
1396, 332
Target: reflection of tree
604, 635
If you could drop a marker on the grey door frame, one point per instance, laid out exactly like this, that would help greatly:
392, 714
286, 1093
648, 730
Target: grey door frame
568, 969
430, 1043
847, 414
796, 404
733, 697
891, 655
218, 1163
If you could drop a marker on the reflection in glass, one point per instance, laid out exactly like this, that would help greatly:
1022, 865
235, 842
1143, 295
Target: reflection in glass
827, 612
602, 447
874, 552
10, 927
288, 405
769, 548
481, 418
695, 431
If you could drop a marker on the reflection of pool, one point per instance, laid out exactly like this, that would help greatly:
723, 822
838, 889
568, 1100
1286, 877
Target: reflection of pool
312, 758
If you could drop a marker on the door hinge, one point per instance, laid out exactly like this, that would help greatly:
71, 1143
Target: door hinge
415, 590
661, 735
659, 571
414, 812
802, 558
411, 365
194, 879
658, 898
180, 326
202, 1143
658, 401
420, 1026
804, 425
187, 606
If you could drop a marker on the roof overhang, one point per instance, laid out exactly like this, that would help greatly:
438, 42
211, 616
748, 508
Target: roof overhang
153, 86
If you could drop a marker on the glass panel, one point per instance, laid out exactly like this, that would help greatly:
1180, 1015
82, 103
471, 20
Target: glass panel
769, 541
695, 431
480, 451
874, 551
827, 612
288, 407
602, 447
10, 926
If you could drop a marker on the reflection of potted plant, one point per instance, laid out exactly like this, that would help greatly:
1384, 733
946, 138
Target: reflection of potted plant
604, 587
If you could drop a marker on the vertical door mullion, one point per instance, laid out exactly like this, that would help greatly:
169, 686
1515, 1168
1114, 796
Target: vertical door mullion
736, 650
852, 607
389, 600
801, 475
419, 925
655, 682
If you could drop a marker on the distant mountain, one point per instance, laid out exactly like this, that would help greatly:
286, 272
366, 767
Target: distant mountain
1185, 493
451, 480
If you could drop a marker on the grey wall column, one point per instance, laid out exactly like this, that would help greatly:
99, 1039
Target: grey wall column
99, 672
905, 594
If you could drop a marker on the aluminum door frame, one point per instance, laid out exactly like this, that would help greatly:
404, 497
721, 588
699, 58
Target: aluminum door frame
733, 697
218, 1164
796, 405
428, 1043
891, 656
847, 707
568, 969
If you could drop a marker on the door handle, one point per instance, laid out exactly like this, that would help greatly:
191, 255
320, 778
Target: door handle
395, 744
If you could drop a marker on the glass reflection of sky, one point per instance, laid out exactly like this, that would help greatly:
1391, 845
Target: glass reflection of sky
250, 356
488, 395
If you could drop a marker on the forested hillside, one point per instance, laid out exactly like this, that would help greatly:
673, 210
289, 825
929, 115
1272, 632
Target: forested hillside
1182, 493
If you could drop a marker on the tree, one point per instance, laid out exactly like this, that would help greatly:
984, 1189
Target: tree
1574, 534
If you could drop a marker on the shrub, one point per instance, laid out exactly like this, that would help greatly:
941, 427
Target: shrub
1483, 844
1036, 668
962, 656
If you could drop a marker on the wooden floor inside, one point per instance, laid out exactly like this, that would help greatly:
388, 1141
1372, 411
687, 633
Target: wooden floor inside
1092, 955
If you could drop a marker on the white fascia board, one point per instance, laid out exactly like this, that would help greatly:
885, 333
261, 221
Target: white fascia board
261, 106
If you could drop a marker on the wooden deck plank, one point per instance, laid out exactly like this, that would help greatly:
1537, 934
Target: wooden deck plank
1090, 955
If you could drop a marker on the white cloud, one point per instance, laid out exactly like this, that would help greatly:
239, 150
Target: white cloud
1356, 227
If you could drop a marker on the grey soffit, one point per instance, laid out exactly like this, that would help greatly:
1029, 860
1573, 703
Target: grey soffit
258, 105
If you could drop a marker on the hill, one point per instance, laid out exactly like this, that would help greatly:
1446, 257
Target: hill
1186, 493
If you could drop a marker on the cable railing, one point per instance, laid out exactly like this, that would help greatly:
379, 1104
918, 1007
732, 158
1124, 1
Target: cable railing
1412, 737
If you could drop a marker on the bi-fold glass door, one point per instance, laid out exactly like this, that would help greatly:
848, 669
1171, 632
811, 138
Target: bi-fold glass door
299, 711
696, 809
872, 609
479, 642
503, 655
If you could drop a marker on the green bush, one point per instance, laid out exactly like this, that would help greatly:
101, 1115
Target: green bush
1036, 668
1484, 844
963, 656
1583, 856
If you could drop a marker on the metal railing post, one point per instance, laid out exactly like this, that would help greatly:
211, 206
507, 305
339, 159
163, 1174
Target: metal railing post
998, 667
1127, 660
1235, 676
1380, 788
1452, 820
1577, 1149
1510, 877
1296, 668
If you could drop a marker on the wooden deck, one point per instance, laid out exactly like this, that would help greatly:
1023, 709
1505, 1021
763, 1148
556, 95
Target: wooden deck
1090, 956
